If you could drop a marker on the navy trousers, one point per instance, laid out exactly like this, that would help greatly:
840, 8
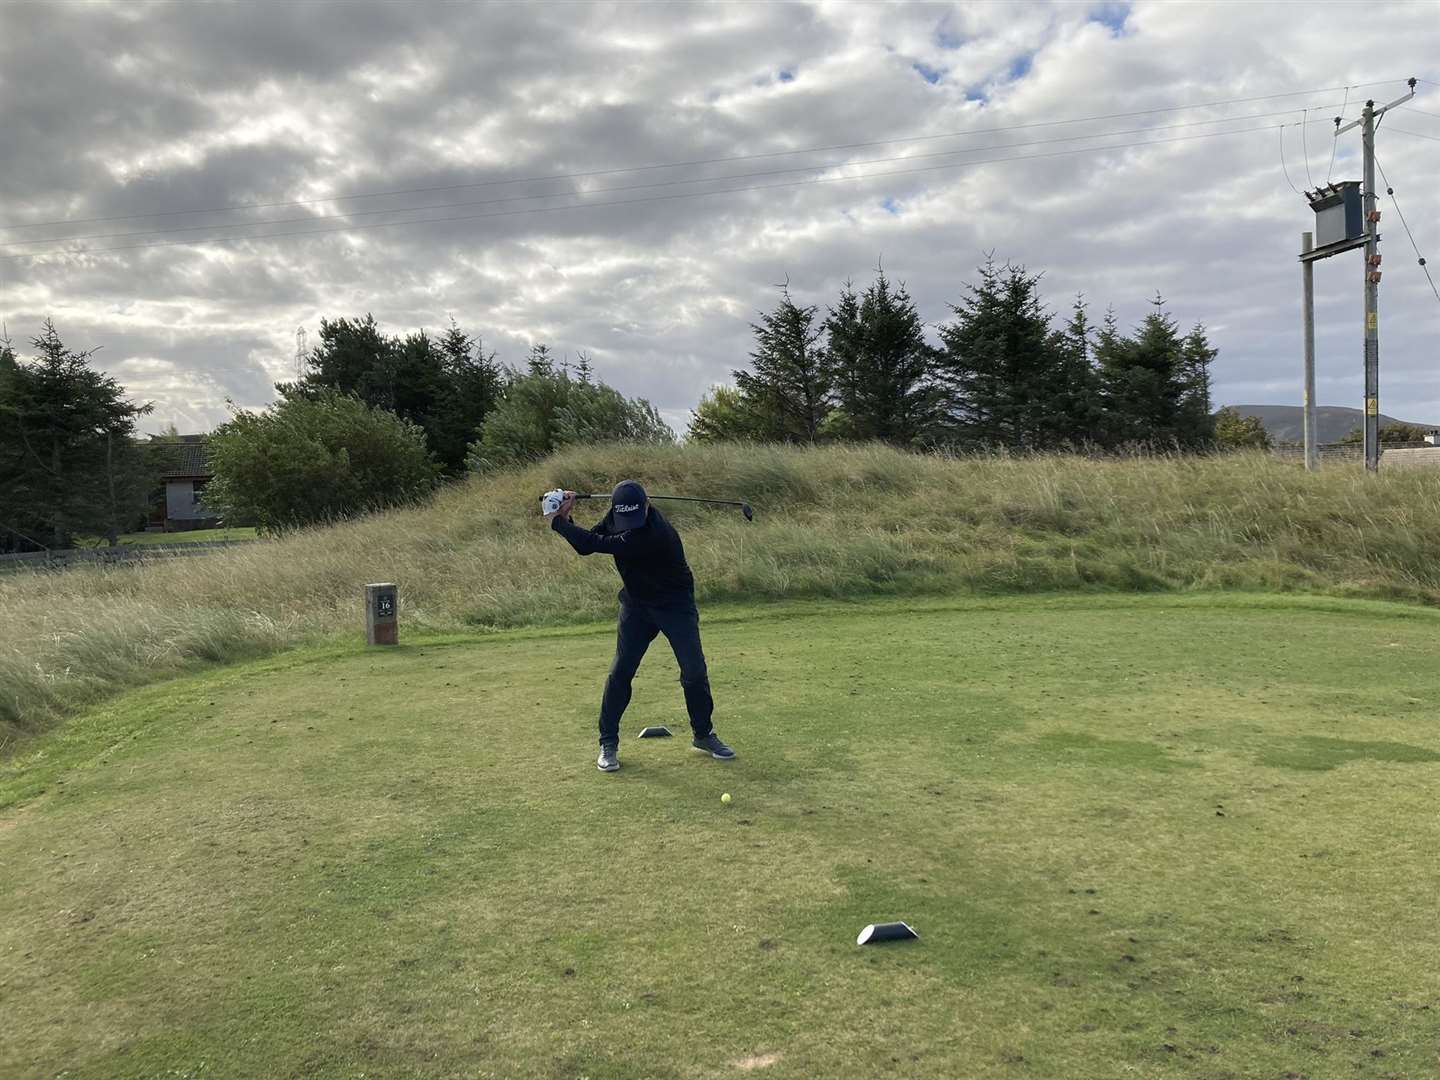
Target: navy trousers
639, 623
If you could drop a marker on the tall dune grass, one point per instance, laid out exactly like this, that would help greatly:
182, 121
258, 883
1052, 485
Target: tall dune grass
830, 522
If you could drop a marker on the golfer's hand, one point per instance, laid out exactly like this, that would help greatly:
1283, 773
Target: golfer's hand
567, 505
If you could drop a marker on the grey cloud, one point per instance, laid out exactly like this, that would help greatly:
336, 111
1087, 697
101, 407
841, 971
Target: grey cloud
230, 44
661, 293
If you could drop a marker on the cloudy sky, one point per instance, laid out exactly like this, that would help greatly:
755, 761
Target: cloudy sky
559, 173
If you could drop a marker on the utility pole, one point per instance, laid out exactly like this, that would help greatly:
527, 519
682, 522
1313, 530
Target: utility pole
1307, 272
301, 353
1366, 123
1372, 295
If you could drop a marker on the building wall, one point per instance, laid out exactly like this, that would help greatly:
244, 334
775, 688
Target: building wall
1427, 457
180, 503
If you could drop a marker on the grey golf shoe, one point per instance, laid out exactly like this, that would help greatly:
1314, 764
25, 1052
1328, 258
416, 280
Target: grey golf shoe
607, 761
712, 745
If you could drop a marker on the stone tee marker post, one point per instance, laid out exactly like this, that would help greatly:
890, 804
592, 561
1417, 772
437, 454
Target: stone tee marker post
382, 610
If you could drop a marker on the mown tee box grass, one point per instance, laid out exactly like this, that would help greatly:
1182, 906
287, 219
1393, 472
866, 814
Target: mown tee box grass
1161, 836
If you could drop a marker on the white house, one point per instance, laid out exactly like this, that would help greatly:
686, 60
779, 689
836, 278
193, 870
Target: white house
184, 475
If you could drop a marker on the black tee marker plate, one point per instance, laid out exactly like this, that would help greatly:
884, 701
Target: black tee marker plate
886, 931
659, 731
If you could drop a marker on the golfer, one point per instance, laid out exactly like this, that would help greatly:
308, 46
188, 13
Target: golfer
658, 598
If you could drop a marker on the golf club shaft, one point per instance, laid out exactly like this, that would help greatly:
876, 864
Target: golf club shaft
675, 498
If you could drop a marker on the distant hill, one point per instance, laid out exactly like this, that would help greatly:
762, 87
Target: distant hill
1286, 423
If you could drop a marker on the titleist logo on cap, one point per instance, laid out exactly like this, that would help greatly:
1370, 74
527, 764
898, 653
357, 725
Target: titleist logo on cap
629, 508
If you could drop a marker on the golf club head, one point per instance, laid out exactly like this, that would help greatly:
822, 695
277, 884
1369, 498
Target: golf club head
748, 511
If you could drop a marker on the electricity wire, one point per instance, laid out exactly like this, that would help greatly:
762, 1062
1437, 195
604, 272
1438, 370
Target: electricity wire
1305, 143
691, 163
1281, 129
1335, 139
645, 199
1401, 214
1415, 134
346, 215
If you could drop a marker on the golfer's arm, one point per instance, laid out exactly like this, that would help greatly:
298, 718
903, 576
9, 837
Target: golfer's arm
588, 542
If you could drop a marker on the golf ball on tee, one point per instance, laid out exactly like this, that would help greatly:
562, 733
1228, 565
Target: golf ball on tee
725, 798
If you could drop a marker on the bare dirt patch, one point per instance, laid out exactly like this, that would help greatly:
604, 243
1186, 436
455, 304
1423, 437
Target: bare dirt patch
756, 1061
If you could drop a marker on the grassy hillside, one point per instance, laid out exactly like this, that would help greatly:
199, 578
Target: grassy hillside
1170, 837
833, 522
1286, 423
192, 536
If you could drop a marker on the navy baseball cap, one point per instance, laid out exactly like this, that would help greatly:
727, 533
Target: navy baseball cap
628, 504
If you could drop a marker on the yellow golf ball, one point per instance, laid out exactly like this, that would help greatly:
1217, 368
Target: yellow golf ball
725, 798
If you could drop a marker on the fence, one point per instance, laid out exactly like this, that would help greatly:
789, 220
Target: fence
49, 560
1403, 455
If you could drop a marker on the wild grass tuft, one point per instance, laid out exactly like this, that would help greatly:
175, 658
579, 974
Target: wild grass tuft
830, 522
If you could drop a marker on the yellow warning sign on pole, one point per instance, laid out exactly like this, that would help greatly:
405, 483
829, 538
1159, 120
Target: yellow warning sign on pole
1372, 406
1372, 321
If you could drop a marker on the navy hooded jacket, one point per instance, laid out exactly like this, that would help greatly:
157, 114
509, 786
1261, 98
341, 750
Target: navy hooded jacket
650, 559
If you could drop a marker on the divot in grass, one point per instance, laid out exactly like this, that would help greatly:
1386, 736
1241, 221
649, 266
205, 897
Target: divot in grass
755, 1061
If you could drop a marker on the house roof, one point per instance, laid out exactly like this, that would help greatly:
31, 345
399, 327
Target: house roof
187, 457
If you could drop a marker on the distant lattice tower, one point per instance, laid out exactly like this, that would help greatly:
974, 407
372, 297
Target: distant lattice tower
300, 353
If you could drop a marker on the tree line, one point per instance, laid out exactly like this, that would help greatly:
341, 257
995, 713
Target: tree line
69, 460
374, 420
1004, 374
378, 420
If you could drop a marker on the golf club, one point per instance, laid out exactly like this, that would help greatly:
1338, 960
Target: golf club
745, 507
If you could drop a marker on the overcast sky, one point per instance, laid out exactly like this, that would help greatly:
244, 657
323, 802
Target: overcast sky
109, 111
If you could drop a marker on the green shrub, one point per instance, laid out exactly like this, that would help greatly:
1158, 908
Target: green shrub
316, 459
546, 408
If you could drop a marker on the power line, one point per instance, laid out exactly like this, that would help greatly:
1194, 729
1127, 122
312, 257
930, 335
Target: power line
695, 162
646, 199
1305, 143
311, 219
1414, 134
1335, 140
1281, 129
1401, 214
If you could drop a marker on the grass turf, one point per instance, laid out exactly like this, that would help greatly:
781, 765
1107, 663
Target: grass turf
1159, 836
840, 522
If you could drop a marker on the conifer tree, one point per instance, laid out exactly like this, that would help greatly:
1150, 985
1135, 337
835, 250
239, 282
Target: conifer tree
1150, 384
1197, 354
787, 391
1079, 417
1009, 379
70, 462
882, 364
844, 344
469, 391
